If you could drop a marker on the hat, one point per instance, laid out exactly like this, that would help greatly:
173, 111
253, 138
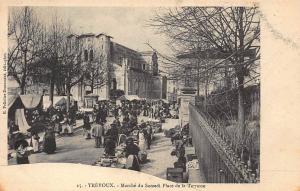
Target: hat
20, 136
130, 139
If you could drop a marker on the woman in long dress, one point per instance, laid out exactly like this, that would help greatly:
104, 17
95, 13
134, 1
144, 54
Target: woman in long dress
49, 143
142, 140
86, 126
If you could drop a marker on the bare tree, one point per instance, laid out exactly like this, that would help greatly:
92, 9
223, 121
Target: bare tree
54, 43
73, 68
24, 34
96, 74
231, 31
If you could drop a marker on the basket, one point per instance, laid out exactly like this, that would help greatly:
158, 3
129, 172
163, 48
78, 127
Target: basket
175, 174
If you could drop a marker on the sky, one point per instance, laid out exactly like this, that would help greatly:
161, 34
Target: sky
127, 26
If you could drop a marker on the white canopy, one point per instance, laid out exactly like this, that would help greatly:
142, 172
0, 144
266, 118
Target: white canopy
56, 100
129, 97
101, 99
165, 101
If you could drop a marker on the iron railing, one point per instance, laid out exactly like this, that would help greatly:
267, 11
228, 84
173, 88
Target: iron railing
218, 160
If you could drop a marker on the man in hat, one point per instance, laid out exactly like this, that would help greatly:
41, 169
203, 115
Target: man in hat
149, 135
98, 132
86, 126
113, 133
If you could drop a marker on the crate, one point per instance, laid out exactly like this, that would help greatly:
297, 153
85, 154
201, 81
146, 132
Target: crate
191, 157
175, 174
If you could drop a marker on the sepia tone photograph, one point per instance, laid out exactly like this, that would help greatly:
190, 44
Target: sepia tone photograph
172, 92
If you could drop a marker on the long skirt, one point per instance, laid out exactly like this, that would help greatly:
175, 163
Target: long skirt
49, 145
142, 145
132, 163
23, 160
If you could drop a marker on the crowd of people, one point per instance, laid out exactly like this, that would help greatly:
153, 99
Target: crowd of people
125, 123
180, 137
51, 122
125, 129
56, 121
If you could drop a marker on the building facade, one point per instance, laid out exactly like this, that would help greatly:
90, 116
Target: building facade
135, 73
123, 69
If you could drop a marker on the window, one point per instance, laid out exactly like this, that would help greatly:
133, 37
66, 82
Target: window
91, 55
120, 60
144, 66
114, 83
128, 61
86, 56
89, 102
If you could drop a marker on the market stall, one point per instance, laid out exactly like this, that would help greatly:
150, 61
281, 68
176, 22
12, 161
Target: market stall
129, 97
57, 101
16, 109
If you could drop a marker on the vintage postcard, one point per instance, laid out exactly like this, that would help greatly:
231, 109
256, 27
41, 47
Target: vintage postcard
180, 95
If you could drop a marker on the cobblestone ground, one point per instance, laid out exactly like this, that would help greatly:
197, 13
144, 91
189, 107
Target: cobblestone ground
70, 149
159, 155
76, 149
73, 149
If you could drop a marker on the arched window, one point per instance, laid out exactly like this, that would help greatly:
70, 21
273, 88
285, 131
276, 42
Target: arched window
114, 83
91, 55
86, 56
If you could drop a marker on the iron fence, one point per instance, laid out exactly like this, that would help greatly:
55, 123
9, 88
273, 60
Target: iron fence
217, 159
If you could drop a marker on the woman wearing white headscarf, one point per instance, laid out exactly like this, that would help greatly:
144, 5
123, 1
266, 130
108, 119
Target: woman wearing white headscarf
142, 140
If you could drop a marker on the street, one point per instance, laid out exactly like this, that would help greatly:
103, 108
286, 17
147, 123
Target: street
77, 149
69, 90
159, 155
73, 149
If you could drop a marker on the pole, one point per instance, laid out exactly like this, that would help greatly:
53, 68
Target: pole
198, 78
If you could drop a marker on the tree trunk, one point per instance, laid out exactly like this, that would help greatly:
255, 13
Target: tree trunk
241, 106
23, 81
241, 77
198, 79
22, 87
68, 89
205, 87
52, 87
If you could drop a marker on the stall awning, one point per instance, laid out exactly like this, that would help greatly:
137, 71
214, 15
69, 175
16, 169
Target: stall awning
91, 95
165, 101
21, 121
101, 99
11, 100
57, 100
129, 97
31, 101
